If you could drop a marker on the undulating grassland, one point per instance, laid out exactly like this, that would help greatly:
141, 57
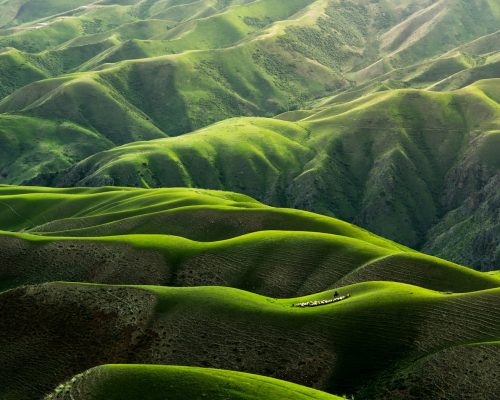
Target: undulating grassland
166, 289
118, 72
59, 330
390, 162
188, 237
168, 265
150, 382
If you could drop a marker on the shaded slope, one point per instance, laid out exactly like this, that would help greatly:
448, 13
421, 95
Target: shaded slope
454, 371
241, 331
30, 147
189, 91
272, 263
432, 31
452, 70
155, 382
112, 116
25, 11
17, 71
252, 156
466, 77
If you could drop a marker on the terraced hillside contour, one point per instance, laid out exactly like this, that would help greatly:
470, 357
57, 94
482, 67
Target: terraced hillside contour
162, 274
187, 237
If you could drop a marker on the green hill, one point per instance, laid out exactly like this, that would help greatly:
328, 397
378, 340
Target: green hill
339, 348
203, 157
452, 70
370, 161
183, 237
255, 58
425, 34
446, 367
119, 72
384, 338
123, 382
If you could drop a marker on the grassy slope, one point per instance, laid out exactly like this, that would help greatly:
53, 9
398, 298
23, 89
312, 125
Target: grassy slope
444, 24
273, 63
81, 211
466, 77
32, 146
241, 331
452, 70
264, 59
155, 382
274, 263
183, 237
30, 10
444, 372
389, 151
254, 58
123, 104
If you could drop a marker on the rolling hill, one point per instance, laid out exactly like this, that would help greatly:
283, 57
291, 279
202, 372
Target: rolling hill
149, 69
370, 161
249, 199
339, 348
182, 237
148, 382
112, 73
203, 248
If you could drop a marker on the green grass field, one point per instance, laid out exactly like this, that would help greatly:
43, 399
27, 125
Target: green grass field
149, 382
